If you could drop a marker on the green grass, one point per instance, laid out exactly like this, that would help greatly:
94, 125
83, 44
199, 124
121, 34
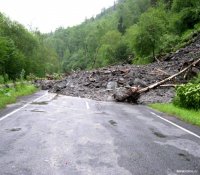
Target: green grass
9, 95
189, 116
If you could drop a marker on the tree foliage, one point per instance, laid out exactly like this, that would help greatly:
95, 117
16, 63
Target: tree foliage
24, 50
150, 29
140, 28
131, 28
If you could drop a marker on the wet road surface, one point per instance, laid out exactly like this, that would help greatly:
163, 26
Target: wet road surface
60, 135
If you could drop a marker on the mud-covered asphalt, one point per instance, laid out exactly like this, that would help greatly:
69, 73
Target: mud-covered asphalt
61, 135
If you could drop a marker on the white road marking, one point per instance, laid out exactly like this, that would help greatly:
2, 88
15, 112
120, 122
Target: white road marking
87, 105
9, 114
176, 125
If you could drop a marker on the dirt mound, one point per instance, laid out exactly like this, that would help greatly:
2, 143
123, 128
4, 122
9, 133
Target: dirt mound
100, 84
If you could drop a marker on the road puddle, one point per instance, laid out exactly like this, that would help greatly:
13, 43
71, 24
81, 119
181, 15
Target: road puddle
35, 110
40, 103
158, 134
14, 129
184, 156
112, 122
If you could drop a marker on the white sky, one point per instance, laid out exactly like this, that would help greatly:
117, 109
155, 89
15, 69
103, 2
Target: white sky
47, 15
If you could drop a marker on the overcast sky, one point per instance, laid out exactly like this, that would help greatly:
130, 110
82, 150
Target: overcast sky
47, 15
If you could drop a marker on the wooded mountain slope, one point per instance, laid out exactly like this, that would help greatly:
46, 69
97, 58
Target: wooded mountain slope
24, 51
131, 31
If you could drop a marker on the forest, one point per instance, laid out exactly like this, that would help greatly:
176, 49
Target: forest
131, 31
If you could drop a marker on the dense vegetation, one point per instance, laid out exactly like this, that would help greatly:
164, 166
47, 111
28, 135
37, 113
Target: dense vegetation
188, 96
129, 31
9, 95
23, 51
186, 103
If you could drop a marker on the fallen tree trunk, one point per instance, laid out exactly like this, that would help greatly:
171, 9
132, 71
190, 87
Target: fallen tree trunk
169, 78
132, 94
168, 85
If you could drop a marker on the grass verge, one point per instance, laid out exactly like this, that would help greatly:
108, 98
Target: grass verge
189, 116
9, 95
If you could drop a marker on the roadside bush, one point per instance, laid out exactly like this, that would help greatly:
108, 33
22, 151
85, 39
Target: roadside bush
31, 77
188, 96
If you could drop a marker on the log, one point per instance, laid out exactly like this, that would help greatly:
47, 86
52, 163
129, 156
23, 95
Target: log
168, 85
132, 94
169, 78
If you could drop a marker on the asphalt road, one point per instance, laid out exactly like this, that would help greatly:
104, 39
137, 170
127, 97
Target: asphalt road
60, 135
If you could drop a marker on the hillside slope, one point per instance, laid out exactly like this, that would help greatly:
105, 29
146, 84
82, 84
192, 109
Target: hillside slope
100, 84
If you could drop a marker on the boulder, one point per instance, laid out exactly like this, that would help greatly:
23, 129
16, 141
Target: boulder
45, 84
126, 94
112, 85
59, 86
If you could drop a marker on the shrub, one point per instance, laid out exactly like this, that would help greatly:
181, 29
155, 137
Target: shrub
142, 60
57, 76
196, 80
188, 96
169, 41
31, 77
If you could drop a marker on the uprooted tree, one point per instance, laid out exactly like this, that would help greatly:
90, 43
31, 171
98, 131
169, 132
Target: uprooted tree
132, 94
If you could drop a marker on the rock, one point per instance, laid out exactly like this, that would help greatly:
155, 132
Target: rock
126, 94
195, 71
112, 85
131, 82
46, 84
121, 80
87, 83
130, 74
107, 72
140, 83
81, 89
92, 79
198, 45
71, 85
121, 94
59, 86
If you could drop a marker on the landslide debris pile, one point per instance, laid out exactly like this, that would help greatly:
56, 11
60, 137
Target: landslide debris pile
101, 84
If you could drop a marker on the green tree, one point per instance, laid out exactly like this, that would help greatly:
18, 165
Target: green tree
186, 14
151, 27
11, 60
109, 43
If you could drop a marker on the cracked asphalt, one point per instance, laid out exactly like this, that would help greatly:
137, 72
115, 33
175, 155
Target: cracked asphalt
61, 135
